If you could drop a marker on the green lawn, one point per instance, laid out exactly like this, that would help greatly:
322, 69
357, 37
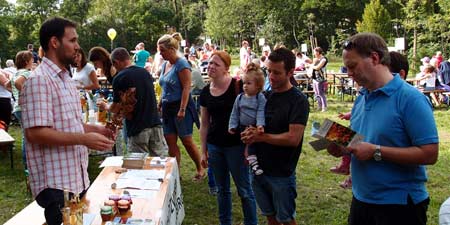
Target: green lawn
320, 200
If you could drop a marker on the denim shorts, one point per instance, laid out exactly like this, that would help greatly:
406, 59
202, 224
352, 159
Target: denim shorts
276, 196
182, 128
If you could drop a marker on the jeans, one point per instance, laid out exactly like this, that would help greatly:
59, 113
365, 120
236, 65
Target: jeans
226, 160
211, 181
276, 196
362, 213
18, 115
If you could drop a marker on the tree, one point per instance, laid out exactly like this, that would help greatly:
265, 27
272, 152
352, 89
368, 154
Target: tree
416, 14
5, 17
376, 19
135, 21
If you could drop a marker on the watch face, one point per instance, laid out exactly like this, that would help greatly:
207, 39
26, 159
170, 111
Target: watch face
377, 156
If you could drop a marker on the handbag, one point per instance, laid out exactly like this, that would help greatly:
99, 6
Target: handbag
318, 76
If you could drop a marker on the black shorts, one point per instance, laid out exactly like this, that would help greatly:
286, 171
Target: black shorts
373, 214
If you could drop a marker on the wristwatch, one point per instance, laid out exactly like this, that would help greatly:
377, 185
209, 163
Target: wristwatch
377, 153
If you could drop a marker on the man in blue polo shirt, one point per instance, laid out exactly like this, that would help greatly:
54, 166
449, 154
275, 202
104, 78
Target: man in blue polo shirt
400, 138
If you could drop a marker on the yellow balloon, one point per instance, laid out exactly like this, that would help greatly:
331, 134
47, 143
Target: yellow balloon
112, 33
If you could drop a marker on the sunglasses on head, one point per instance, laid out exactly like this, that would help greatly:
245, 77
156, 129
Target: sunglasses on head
348, 45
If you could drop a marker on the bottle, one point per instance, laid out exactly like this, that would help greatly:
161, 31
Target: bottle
66, 198
101, 114
110, 101
83, 101
86, 113
94, 100
66, 216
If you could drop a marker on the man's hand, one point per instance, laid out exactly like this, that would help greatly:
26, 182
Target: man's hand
250, 135
109, 132
204, 159
363, 150
232, 131
97, 141
102, 105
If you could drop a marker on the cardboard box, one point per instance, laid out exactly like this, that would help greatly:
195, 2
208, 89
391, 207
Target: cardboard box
134, 160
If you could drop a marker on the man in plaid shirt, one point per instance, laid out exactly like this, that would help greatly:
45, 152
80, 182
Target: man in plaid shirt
57, 140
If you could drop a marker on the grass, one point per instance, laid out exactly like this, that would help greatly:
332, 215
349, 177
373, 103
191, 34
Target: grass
320, 200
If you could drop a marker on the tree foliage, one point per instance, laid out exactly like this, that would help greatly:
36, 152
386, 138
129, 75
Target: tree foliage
292, 22
376, 19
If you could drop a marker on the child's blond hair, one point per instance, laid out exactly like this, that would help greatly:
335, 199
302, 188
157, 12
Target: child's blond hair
253, 71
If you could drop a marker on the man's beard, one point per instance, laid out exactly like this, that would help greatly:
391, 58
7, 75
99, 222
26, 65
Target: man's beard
65, 60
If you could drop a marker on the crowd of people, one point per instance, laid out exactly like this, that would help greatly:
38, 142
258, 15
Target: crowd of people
251, 127
434, 74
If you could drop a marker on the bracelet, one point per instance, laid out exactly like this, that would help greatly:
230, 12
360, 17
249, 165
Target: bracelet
182, 109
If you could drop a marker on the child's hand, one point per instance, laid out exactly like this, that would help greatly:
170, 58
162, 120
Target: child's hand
260, 129
232, 131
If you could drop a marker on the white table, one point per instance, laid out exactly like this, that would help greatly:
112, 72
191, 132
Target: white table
7, 140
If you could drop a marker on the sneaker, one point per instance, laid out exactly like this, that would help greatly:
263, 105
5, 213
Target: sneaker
255, 168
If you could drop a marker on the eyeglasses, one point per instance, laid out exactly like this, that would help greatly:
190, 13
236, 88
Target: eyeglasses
348, 45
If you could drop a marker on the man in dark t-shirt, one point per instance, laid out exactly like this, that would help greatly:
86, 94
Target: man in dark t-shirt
144, 128
35, 55
279, 148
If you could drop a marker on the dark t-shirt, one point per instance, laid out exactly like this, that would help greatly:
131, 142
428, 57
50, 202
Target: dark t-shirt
145, 114
35, 57
219, 109
282, 109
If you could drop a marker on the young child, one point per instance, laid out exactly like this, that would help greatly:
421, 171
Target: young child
344, 167
248, 110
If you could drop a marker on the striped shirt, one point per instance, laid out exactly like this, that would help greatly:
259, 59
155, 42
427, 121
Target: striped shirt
50, 99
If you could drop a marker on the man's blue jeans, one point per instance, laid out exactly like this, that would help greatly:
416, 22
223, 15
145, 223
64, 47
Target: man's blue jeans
226, 160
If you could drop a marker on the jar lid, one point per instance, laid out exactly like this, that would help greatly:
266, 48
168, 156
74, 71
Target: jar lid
106, 209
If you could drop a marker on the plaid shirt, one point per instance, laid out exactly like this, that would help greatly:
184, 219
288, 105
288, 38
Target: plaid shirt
50, 99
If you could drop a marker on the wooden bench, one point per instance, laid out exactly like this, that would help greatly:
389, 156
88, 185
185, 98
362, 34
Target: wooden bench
310, 95
434, 94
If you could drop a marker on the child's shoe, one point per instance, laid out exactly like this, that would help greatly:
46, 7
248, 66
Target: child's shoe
253, 163
347, 183
344, 167
340, 170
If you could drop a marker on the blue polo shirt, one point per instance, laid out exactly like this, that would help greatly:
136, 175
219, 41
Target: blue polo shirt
395, 115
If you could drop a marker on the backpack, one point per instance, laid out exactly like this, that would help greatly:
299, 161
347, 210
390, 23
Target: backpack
319, 75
